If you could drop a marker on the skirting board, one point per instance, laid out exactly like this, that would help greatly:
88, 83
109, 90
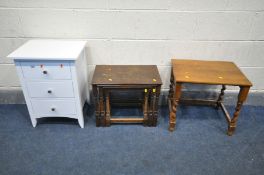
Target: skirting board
15, 96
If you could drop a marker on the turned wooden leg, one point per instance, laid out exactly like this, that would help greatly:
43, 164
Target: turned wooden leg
145, 106
97, 103
108, 115
156, 105
171, 91
221, 96
150, 108
174, 103
153, 96
242, 96
102, 107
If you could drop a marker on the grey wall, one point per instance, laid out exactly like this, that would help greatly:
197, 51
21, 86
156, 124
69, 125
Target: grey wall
140, 32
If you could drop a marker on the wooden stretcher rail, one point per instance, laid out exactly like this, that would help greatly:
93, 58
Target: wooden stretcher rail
126, 120
228, 118
198, 102
203, 102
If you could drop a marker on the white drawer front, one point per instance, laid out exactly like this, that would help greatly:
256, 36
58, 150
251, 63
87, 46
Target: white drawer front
46, 70
53, 108
50, 89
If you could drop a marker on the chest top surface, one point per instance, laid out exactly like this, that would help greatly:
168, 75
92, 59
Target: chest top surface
126, 75
49, 50
208, 72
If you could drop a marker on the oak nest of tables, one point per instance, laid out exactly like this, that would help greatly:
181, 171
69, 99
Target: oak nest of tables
144, 79
210, 73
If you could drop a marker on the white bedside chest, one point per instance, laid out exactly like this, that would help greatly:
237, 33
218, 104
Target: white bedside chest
53, 75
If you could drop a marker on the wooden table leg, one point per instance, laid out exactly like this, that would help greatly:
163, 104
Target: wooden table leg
97, 103
153, 97
242, 96
150, 108
145, 106
171, 91
108, 112
155, 106
221, 96
102, 106
174, 103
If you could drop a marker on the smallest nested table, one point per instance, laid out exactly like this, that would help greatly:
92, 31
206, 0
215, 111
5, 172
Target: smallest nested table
144, 79
211, 73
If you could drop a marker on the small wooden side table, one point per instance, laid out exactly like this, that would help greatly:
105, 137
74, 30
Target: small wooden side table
143, 78
211, 73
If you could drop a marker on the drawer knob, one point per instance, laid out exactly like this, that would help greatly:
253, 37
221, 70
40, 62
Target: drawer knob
52, 109
49, 91
45, 72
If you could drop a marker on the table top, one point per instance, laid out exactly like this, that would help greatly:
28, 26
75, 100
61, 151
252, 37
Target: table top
208, 72
49, 49
126, 75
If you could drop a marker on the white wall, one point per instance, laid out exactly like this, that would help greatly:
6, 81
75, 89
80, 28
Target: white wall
140, 32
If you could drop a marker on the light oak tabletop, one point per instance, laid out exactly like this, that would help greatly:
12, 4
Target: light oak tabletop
208, 72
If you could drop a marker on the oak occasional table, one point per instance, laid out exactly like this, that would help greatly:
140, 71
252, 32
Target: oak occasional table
144, 79
210, 73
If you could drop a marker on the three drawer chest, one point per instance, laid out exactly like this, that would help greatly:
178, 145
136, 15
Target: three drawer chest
53, 76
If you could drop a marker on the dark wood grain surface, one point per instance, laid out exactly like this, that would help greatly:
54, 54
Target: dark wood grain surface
110, 81
126, 75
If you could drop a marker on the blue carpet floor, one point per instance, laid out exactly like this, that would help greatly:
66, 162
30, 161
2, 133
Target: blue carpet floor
199, 146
